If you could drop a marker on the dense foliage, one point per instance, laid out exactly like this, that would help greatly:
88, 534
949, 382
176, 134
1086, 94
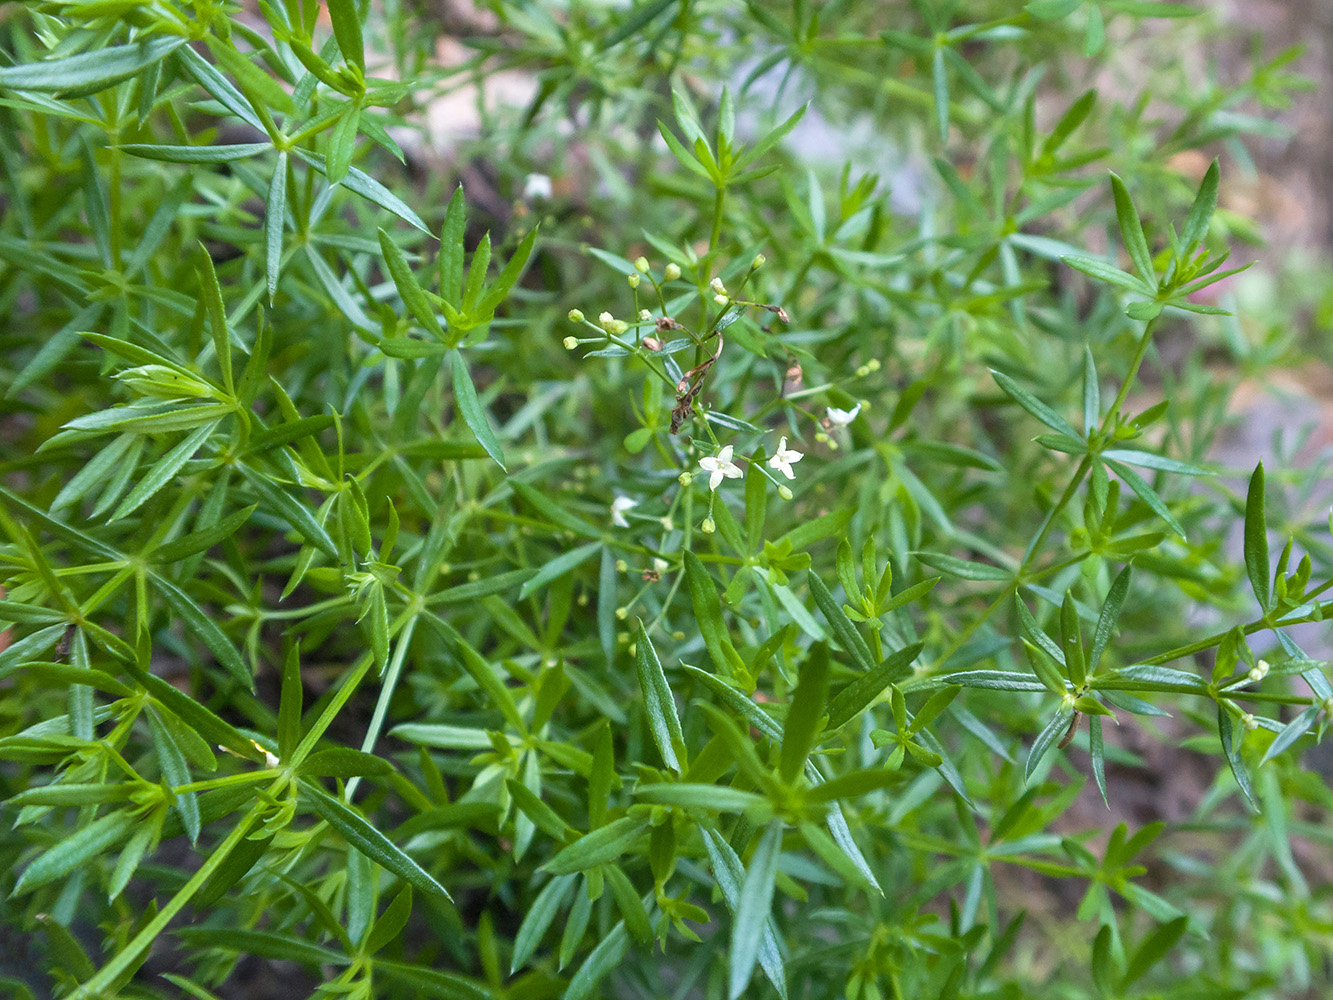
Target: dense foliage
746, 568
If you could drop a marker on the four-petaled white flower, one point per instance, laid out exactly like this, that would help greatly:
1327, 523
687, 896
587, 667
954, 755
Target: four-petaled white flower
537, 186
618, 507
843, 417
783, 459
719, 466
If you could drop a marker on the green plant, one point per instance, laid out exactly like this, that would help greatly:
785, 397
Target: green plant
375, 609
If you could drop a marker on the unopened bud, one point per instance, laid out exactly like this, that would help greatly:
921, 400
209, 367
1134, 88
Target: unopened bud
605, 320
717, 286
758, 262
622, 566
576, 315
668, 524
784, 493
633, 280
622, 613
660, 565
873, 364
721, 299
671, 272
709, 526
863, 371
685, 479
641, 264
644, 315
571, 343
1249, 722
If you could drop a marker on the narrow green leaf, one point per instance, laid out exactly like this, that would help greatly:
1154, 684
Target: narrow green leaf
1095, 267
207, 630
196, 154
848, 637
1131, 231
537, 921
1153, 949
408, 288
469, 407
558, 567
1046, 739
89, 72
1231, 750
659, 704
197, 716
1256, 540
857, 696
347, 29
1291, 732
752, 910
1147, 460
599, 847
1148, 495
707, 611
76, 850
805, 714
342, 144
714, 798
1201, 212
962, 568
163, 471
1106, 621
358, 832
1034, 405
730, 874
275, 214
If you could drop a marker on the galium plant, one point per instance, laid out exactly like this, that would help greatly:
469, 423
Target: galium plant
375, 610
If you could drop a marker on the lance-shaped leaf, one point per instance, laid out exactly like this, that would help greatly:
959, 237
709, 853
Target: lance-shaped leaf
707, 611
89, 72
853, 699
598, 847
843, 629
1131, 230
730, 874
76, 850
1034, 405
752, 909
1231, 750
359, 833
1256, 539
411, 292
659, 703
1046, 739
469, 407
805, 715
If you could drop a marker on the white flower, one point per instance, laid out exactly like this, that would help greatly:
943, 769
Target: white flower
537, 186
720, 466
618, 507
843, 417
783, 458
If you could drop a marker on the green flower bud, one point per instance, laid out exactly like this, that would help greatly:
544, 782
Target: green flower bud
571, 343
641, 264
671, 272
709, 526
575, 316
